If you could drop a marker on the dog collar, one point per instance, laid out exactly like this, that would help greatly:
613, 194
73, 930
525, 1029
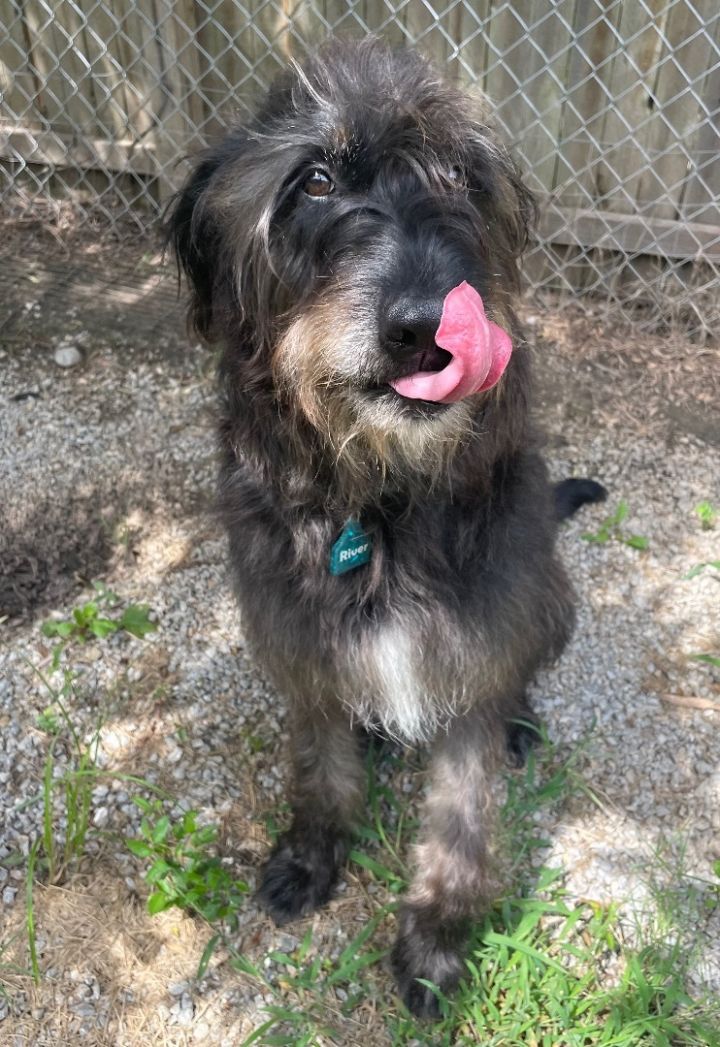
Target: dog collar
352, 549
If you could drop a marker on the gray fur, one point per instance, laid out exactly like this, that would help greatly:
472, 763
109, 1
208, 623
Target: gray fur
438, 636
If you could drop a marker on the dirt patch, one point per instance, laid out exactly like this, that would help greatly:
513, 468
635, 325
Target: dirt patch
118, 961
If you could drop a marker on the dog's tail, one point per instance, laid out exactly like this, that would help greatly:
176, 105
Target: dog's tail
571, 494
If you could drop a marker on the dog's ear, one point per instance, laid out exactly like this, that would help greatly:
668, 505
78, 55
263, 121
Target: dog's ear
500, 193
516, 203
190, 233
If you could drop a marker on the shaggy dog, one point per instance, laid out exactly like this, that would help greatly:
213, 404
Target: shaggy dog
321, 242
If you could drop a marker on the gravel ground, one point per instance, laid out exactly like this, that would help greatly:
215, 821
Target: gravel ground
108, 474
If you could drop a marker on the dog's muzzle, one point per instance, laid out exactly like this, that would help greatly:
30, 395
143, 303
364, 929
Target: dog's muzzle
447, 350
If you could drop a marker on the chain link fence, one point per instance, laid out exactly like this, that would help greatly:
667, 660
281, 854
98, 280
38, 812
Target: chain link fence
612, 107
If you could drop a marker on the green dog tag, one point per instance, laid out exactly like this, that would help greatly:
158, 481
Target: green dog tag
352, 549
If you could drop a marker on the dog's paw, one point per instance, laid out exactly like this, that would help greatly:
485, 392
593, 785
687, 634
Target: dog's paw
431, 956
520, 737
299, 875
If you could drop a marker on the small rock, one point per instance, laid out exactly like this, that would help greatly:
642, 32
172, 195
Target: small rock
8, 895
101, 817
83, 1010
178, 988
67, 356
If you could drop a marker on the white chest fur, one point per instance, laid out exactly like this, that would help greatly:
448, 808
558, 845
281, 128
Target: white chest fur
392, 688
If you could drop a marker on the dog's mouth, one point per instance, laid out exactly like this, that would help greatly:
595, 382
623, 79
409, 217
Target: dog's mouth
475, 352
432, 361
467, 354
429, 362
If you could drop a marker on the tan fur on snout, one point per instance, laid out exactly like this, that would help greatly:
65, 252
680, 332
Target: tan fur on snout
320, 366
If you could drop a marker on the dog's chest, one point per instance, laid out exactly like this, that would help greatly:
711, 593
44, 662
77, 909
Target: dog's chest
392, 665
406, 682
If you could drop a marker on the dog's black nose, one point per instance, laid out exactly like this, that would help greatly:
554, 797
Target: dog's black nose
410, 327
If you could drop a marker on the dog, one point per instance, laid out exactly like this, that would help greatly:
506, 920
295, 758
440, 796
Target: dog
393, 548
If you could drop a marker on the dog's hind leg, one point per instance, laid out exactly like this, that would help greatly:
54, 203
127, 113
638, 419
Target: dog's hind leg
522, 732
452, 865
328, 789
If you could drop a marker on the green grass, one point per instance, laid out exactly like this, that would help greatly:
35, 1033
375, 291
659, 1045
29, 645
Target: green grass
542, 969
73, 787
700, 567
67, 795
87, 622
707, 514
611, 529
8, 968
186, 872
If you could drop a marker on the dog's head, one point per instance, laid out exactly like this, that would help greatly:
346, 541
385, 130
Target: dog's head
321, 240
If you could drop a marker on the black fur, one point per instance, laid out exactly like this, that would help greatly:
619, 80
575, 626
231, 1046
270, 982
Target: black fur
463, 598
571, 494
301, 872
521, 734
422, 945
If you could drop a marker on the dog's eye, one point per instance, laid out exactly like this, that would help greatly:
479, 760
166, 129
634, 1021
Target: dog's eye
456, 174
318, 183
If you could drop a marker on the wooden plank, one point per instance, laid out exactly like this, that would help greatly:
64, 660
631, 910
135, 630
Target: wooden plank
58, 149
192, 62
380, 19
180, 130
230, 38
424, 32
18, 85
40, 59
107, 72
581, 142
146, 99
626, 129
269, 38
676, 112
468, 27
700, 200
80, 99
442, 39
583, 111
579, 228
631, 234
56, 33
153, 90
527, 69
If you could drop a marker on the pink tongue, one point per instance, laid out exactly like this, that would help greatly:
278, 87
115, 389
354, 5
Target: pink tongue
480, 352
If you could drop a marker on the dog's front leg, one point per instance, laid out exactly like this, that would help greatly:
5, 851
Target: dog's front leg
328, 788
452, 866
